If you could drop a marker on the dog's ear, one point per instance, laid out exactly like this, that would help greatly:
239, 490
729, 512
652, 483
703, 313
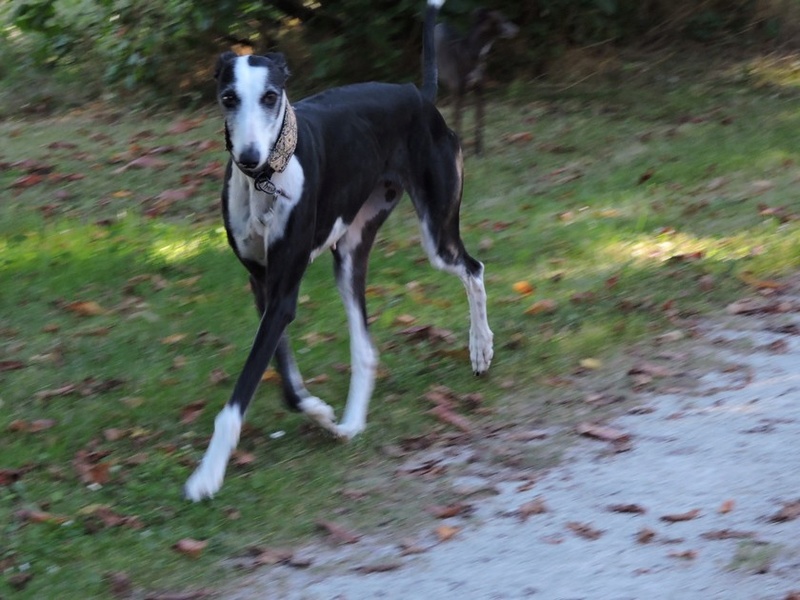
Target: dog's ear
279, 61
223, 60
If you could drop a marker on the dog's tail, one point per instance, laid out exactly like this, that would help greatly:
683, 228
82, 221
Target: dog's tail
430, 73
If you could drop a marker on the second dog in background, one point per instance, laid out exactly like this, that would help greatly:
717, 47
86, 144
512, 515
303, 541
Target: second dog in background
462, 62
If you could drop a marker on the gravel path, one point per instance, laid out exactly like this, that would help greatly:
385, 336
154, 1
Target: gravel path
712, 478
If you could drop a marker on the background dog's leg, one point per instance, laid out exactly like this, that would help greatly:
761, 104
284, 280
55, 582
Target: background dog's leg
350, 266
458, 107
478, 119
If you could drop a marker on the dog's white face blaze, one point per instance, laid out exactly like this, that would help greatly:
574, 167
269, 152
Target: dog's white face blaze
252, 125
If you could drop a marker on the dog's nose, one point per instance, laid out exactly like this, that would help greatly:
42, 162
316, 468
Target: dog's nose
250, 158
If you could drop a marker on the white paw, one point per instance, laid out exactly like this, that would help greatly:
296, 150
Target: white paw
347, 431
207, 478
204, 482
319, 412
481, 350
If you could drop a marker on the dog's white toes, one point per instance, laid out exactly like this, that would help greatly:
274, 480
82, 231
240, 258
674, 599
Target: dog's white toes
204, 483
347, 431
481, 352
320, 412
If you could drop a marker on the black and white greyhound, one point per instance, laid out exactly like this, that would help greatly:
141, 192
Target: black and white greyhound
325, 174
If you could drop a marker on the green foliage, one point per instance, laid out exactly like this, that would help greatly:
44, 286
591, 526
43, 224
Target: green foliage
168, 46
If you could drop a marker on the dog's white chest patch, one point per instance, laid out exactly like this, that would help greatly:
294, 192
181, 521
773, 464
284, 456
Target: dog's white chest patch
256, 220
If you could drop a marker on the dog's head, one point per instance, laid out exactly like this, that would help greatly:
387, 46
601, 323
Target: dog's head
493, 24
250, 91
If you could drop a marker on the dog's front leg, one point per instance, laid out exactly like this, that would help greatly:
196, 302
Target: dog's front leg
279, 312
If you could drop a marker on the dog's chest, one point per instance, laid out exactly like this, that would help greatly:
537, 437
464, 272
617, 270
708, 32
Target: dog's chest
255, 220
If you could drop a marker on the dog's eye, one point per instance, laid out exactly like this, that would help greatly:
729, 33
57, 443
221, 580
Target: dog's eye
229, 100
269, 99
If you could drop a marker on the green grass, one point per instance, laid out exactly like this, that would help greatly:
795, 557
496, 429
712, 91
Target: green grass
635, 207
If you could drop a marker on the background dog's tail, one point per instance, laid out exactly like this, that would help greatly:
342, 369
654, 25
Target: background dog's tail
430, 74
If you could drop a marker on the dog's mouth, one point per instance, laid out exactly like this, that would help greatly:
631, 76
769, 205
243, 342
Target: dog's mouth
249, 171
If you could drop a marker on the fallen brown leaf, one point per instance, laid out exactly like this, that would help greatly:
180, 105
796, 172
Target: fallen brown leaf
584, 530
652, 370
218, 376
627, 508
190, 547
20, 426
523, 288
85, 308
684, 554
191, 411
379, 567
18, 581
602, 432
9, 476
450, 510
789, 512
447, 416
339, 534
11, 365
678, 517
270, 556
446, 532
645, 535
39, 516
726, 507
533, 507
542, 307
727, 534
119, 584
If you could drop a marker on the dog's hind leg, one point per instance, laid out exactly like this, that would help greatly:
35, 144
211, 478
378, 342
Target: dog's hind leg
295, 394
437, 200
351, 256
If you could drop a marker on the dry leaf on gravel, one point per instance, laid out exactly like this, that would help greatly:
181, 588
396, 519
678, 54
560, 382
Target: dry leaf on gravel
584, 530
684, 554
645, 535
534, 507
379, 567
446, 532
678, 517
602, 432
627, 508
789, 512
337, 533
450, 510
652, 370
270, 556
727, 534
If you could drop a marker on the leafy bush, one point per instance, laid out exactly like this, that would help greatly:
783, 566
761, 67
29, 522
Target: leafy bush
168, 46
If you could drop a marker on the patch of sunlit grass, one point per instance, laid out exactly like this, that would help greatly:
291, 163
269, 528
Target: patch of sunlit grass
775, 69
